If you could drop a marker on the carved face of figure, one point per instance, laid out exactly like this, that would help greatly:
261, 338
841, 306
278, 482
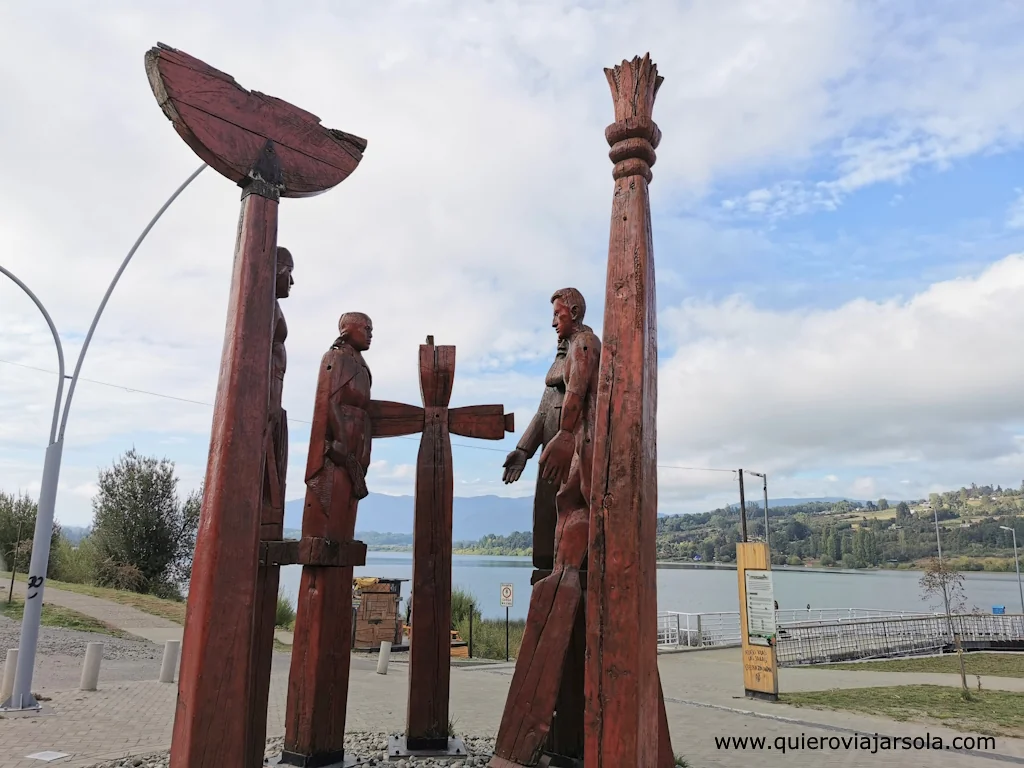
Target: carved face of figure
357, 329
284, 282
564, 319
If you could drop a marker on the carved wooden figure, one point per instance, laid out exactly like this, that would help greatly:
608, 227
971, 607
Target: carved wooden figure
271, 149
430, 647
541, 429
555, 602
623, 693
339, 455
275, 467
566, 736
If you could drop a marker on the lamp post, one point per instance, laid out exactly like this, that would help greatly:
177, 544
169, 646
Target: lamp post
21, 696
1016, 563
764, 481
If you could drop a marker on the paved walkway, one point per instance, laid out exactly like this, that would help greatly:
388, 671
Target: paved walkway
703, 691
703, 700
156, 629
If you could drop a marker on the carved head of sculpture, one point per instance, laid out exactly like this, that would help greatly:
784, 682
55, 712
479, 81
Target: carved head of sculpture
285, 265
569, 310
356, 330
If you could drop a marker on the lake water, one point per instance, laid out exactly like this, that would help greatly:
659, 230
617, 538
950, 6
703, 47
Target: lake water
692, 590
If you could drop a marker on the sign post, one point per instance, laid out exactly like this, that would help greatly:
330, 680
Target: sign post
506, 601
757, 621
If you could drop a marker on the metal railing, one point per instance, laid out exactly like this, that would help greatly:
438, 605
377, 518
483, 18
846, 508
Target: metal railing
721, 629
819, 642
698, 630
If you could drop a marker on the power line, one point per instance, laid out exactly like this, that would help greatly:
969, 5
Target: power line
301, 421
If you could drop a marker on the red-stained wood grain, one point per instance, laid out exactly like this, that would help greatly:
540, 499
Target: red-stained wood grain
430, 647
485, 422
526, 720
318, 679
622, 713
210, 725
566, 738
227, 126
395, 419
268, 579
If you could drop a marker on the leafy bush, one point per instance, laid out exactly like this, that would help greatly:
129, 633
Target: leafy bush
285, 611
73, 565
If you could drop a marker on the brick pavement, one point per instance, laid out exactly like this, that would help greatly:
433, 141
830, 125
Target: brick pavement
703, 700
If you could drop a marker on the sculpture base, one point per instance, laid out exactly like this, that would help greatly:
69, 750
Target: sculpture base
398, 749
327, 760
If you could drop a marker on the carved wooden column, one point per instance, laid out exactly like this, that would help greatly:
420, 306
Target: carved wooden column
622, 683
271, 149
430, 647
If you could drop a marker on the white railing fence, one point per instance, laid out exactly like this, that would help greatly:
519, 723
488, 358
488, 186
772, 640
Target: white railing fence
822, 635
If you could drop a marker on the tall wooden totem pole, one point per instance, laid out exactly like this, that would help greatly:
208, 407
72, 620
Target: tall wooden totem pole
586, 683
624, 714
271, 149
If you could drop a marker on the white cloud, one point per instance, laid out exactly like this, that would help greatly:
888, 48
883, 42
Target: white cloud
926, 89
1015, 213
485, 185
929, 383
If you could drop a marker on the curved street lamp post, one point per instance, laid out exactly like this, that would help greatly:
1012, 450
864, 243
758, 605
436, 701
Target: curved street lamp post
21, 696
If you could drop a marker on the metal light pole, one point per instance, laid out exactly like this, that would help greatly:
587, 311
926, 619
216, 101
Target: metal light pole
764, 481
21, 696
743, 507
1016, 563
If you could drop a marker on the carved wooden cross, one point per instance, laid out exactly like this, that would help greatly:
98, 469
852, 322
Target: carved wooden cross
430, 647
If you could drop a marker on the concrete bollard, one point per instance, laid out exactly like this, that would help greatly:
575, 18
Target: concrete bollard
169, 664
10, 666
91, 667
384, 658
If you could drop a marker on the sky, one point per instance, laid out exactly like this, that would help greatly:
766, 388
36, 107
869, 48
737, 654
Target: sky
837, 206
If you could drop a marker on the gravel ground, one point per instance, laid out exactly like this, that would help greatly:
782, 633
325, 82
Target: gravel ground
63, 649
369, 747
66, 642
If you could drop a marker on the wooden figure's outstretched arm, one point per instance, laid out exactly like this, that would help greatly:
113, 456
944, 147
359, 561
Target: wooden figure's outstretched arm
528, 444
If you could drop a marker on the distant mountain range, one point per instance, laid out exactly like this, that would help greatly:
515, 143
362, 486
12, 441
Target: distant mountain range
473, 517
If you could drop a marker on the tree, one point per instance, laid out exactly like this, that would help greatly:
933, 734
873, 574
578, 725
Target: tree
883, 504
902, 512
145, 536
18, 516
943, 584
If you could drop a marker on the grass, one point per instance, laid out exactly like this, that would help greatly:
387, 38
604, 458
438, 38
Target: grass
989, 713
984, 664
57, 616
489, 637
173, 610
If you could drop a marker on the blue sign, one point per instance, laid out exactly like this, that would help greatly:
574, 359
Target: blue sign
998, 610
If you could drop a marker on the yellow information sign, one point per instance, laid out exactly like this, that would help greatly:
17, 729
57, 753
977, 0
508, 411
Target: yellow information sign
757, 620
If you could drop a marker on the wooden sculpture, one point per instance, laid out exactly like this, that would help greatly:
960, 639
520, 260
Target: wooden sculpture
430, 646
538, 434
567, 460
271, 149
565, 739
275, 468
604, 457
625, 719
339, 455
